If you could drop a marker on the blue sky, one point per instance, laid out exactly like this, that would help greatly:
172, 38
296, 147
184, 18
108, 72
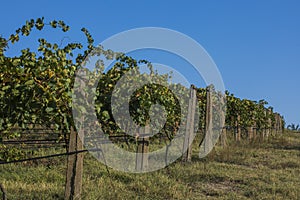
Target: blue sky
255, 44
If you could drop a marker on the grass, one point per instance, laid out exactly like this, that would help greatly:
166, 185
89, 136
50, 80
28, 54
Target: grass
248, 170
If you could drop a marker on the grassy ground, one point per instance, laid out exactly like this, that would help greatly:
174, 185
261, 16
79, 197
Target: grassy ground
256, 170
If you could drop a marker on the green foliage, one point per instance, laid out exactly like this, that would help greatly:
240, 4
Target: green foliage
36, 87
251, 113
141, 100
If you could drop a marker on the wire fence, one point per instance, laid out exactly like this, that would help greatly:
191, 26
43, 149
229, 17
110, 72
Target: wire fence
36, 137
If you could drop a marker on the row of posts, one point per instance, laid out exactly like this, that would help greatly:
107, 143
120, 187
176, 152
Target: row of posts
252, 132
75, 161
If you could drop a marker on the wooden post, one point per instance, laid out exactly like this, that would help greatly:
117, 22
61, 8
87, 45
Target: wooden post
267, 132
282, 124
250, 129
278, 120
224, 137
208, 122
279, 124
75, 161
275, 127
269, 128
254, 130
238, 129
189, 131
264, 131
75, 167
250, 132
142, 149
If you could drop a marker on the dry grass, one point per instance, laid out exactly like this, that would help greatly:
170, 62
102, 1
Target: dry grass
251, 170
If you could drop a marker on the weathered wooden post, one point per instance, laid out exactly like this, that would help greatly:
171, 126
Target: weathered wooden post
269, 132
278, 123
143, 149
224, 137
250, 132
208, 122
275, 123
282, 124
74, 167
268, 124
189, 131
73, 186
264, 131
251, 128
254, 130
238, 128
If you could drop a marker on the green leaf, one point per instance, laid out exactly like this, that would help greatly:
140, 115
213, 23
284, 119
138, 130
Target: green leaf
30, 82
49, 109
39, 23
53, 24
6, 87
105, 115
16, 62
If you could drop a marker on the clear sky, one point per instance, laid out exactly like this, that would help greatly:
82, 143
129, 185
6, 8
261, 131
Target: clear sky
255, 44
